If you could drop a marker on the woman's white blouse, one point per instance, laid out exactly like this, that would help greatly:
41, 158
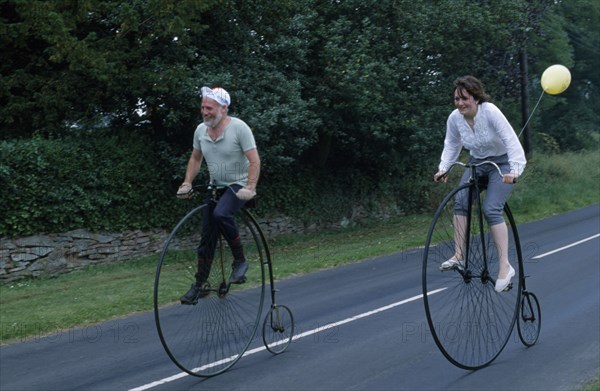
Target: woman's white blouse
491, 135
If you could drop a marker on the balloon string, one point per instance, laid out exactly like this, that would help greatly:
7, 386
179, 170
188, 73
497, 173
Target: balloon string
533, 111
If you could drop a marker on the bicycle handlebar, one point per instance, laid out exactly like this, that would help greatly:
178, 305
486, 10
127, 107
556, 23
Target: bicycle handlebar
468, 165
200, 188
214, 192
205, 188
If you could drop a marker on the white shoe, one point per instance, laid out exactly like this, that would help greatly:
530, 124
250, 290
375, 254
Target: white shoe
452, 262
502, 283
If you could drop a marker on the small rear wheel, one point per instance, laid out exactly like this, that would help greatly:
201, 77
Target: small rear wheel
529, 319
278, 329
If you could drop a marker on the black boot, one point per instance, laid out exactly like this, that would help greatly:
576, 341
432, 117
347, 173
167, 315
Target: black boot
237, 249
200, 288
194, 294
240, 265
238, 272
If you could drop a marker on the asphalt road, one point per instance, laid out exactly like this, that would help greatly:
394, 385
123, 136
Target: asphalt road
376, 336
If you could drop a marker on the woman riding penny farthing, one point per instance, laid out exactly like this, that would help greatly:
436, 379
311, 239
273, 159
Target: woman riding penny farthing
468, 277
220, 286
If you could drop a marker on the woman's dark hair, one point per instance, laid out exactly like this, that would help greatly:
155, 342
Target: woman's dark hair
473, 86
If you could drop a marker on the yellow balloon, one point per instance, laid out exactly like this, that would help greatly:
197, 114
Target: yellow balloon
556, 79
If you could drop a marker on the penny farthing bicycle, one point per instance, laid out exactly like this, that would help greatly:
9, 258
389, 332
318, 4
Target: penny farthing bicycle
470, 322
209, 336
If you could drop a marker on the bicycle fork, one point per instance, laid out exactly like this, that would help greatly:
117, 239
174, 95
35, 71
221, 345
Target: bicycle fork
474, 197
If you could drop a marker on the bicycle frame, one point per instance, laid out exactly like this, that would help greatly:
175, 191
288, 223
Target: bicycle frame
278, 315
209, 334
267, 254
472, 186
470, 322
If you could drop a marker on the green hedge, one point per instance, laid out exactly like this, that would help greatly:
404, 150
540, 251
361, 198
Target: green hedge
99, 182
108, 182
314, 195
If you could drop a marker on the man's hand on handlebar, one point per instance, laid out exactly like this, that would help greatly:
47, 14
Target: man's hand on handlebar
245, 194
184, 191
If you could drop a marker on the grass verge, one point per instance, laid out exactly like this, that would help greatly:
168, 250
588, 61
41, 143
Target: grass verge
594, 385
552, 184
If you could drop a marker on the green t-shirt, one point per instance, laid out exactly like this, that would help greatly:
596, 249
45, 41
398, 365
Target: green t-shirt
225, 157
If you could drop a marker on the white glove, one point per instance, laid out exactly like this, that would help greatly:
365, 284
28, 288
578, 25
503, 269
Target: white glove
245, 194
185, 190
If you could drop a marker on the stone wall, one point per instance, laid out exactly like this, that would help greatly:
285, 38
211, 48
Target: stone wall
54, 254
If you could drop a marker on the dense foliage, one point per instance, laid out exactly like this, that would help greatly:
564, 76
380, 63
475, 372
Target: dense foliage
96, 183
347, 99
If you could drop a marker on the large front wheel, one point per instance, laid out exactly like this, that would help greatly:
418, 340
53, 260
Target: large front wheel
208, 337
469, 321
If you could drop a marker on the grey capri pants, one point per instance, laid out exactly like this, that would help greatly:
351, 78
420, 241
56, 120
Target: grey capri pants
497, 191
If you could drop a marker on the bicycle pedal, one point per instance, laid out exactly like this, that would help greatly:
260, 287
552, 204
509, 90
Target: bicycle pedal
508, 287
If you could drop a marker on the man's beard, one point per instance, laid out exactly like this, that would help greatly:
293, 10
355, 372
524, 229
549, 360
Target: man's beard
214, 122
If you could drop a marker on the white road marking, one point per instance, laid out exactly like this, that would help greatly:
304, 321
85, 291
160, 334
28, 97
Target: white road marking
565, 247
295, 337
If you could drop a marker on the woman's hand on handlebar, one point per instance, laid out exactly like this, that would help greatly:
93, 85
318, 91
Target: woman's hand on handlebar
509, 178
440, 176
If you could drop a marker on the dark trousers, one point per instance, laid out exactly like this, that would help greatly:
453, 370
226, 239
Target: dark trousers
217, 219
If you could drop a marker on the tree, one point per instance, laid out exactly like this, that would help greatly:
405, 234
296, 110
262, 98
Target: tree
383, 73
88, 62
571, 37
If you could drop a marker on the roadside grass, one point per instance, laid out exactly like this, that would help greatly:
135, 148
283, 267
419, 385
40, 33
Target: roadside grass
554, 184
295, 255
593, 385
30, 308
35, 307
